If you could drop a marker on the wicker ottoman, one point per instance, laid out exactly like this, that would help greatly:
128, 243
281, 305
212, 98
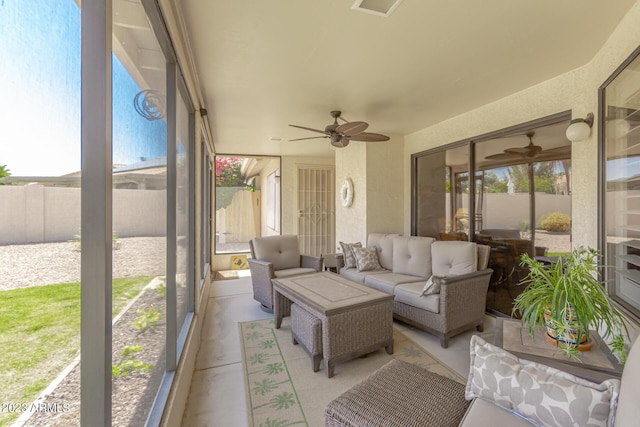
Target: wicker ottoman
399, 394
306, 329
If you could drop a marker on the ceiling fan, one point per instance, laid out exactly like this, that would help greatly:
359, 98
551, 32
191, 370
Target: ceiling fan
341, 134
529, 151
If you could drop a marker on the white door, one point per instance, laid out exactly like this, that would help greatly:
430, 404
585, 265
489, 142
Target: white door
316, 209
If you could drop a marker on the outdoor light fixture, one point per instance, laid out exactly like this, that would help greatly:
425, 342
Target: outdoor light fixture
580, 129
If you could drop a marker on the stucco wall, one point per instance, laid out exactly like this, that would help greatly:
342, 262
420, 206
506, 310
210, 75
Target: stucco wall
576, 91
36, 214
376, 172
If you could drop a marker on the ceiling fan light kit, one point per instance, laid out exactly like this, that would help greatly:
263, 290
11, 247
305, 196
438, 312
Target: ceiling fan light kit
579, 129
341, 134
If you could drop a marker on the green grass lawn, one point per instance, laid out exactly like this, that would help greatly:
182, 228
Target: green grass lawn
40, 335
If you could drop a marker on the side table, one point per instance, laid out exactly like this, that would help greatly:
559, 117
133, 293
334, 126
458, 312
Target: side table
597, 364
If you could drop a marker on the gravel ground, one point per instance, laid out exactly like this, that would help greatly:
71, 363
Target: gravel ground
39, 264
554, 242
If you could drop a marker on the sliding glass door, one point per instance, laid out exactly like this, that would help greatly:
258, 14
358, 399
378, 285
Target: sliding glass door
520, 203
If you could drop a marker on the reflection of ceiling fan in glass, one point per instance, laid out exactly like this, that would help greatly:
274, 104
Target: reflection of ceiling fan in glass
341, 135
530, 151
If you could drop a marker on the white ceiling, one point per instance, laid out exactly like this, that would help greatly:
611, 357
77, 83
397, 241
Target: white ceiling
268, 63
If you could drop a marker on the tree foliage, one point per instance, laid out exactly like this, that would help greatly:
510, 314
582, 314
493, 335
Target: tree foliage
4, 172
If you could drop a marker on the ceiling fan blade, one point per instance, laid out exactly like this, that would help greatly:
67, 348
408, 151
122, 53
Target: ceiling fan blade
310, 137
370, 137
352, 128
558, 150
311, 129
502, 156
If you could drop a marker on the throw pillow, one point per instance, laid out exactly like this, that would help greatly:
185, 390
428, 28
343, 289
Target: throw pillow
349, 259
540, 394
431, 287
366, 259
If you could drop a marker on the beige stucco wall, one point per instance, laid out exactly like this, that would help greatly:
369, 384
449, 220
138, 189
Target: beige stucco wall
376, 170
576, 91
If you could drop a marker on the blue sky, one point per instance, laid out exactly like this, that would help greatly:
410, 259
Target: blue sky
40, 94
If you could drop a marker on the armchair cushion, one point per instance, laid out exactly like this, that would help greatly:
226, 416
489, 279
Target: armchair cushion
292, 272
538, 393
282, 251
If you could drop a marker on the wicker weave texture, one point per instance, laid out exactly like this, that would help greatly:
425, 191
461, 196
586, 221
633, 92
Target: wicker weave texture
399, 394
307, 329
462, 306
262, 272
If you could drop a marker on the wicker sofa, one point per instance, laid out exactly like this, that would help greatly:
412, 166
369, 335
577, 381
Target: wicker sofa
458, 268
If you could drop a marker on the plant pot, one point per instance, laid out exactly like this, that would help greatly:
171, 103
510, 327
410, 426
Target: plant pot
570, 337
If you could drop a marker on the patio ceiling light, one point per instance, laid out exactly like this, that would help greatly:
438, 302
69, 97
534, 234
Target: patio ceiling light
579, 129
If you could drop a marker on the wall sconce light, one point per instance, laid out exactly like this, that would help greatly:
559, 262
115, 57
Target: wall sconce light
580, 129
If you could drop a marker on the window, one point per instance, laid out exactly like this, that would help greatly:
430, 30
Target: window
620, 173
40, 198
97, 218
520, 203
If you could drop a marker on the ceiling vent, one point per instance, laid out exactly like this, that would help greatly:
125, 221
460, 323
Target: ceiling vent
377, 7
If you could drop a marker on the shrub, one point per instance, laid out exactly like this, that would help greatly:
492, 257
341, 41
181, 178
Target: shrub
555, 221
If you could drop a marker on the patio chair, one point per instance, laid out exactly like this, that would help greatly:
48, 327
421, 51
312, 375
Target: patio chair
275, 257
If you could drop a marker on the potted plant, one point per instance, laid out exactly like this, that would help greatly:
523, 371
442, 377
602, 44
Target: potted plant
573, 299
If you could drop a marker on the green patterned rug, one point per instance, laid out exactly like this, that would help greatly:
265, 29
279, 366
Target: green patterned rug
282, 389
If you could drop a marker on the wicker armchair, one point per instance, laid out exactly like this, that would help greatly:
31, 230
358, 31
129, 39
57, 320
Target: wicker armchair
276, 257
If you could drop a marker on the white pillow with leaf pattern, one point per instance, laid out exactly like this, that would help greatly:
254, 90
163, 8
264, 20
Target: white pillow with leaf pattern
542, 395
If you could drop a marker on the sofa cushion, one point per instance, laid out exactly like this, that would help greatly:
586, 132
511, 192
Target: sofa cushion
366, 259
292, 272
347, 251
454, 257
388, 280
384, 244
411, 294
484, 414
282, 251
412, 255
358, 276
628, 411
537, 392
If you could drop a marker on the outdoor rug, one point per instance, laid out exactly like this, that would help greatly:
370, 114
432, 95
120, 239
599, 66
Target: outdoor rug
283, 390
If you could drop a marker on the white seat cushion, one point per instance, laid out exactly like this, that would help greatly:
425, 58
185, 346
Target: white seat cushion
292, 272
411, 294
387, 281
358, 276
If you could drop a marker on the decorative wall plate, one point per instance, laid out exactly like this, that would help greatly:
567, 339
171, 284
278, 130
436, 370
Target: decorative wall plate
346, 192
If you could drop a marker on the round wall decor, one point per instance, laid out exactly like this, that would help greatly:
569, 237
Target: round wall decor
346, 192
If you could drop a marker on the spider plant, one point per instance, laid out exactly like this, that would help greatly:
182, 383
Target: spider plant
573, 299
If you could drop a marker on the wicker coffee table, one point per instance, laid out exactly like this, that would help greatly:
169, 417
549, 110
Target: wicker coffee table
356, 320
